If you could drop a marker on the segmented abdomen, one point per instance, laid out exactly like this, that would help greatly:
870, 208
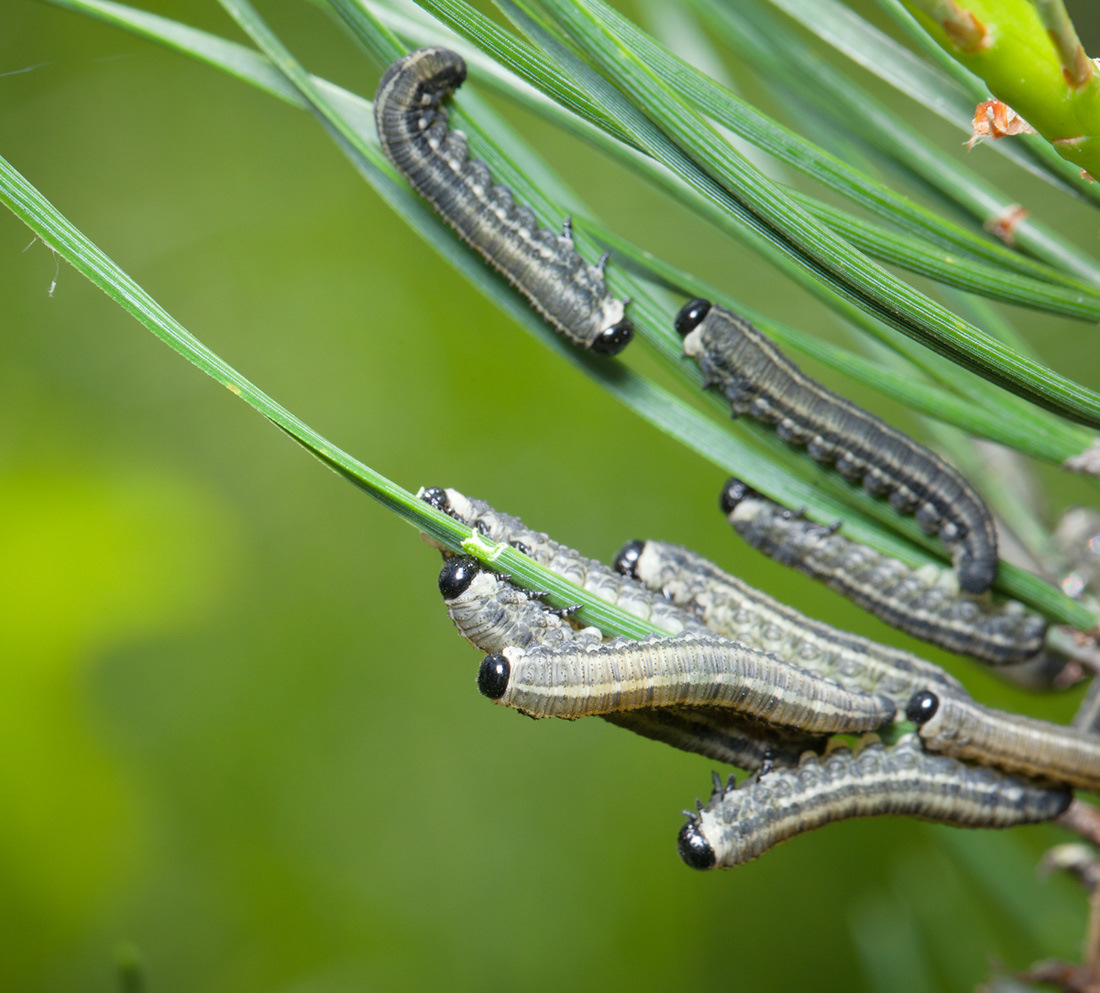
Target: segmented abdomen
688, 670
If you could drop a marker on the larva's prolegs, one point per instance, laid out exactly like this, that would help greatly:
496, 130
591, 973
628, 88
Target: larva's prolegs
759, 380
924, 602
569, 293
740, 824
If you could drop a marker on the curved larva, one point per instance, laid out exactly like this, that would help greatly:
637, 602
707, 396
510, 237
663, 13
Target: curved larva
589, 574
924, 602
759, 380
739, 824
687, 670
736, 610
967, 730
492, 614
545, 267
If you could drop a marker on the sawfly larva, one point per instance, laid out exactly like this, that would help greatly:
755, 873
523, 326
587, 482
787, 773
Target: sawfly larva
589, 574
924, 602
687, 670
759, 380
739, 824
965, 729
569, 293
492, 614
736, 610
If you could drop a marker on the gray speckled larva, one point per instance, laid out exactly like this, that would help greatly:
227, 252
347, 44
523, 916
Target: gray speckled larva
687, 670
739, 824
569, 293
589, 574
736, 610
967, 730
924, 602
759, 380
492, 614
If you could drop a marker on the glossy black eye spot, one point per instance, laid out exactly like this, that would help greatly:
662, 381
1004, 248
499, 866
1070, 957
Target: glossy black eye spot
691, 316
694, 849
626, 561
436, 496
492, 677
456, 575
733, 493
922, 707
612, 340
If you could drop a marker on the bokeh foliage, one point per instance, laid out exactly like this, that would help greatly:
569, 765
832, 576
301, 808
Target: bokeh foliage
241, 734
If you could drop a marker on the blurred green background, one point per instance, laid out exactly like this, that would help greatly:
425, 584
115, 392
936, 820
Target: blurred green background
240, 743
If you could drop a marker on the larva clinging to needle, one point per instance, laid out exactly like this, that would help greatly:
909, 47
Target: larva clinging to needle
569, 293
734, 609
965, 729
687, 670
759, 380
741, 823
590, 574
492, 613
923, 602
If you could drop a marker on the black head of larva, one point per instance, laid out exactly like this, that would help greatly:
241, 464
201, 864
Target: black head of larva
691, 316
456, 575
612, 340
694, 849
436, 496
733, 493
626, 561
492, 677
922, 707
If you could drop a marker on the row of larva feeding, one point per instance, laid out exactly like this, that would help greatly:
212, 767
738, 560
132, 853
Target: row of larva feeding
741, 823
738, 825
694, 668
950, 722
759, 380
569, 293
680, 689
923, 602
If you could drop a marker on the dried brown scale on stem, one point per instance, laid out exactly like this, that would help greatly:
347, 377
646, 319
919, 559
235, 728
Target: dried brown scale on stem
967, 730
687, 670
733, 608
759, 380
567, 291
739, 824
492, 614
923, 602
